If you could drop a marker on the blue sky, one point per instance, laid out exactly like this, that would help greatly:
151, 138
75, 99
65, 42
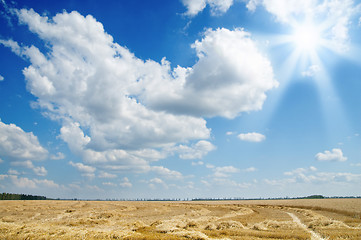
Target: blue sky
180, 99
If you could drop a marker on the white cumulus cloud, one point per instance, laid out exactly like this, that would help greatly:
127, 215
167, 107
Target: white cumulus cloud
46, 183
223, 172
83, 168
123, 113
196, 151
194, 6
312, 175
106, 175
16, 144
157, 181
1, 78
217, 7
252, 137
199, 163
300, 171
24, 182
13, 172
40, 171
230, 77
125, 183
167, 173
21, 148
109, 184
335, 154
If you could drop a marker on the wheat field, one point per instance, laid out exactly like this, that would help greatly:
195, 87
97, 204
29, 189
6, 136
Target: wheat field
268, 219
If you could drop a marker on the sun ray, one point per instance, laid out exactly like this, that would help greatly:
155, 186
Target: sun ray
306, 42
332, 108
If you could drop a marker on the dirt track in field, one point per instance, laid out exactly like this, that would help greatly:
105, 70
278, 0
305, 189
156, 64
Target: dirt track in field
276, 219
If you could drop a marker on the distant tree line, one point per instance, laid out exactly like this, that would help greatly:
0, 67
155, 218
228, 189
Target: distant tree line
206, 199
315, 197
14, 196
280, 198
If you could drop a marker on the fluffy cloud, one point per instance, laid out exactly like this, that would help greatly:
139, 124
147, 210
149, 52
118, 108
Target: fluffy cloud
199, 163
1, 78
311, 71
335, 154
338, 177
13, 172
87, 171
16, 144
167, 173
252, 137
93, 81
210, 166
46, 183
311, 175
40, 171
26, 164
229, 133
125, 183
250, 169
217, 6
106, 175
83, 168
194, 6
88, 82
157, 181
109, 184
230, 77
223, 172
196, 151
113, 159
122, 113
299, 171
281, 182
24, 182
312, 168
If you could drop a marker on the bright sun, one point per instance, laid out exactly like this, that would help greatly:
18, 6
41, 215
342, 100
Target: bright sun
306, 37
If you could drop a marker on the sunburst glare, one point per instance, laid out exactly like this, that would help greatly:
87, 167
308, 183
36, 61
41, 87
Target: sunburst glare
306, 43
306, 37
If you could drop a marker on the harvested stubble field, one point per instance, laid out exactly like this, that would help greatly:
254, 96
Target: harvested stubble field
271, 219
